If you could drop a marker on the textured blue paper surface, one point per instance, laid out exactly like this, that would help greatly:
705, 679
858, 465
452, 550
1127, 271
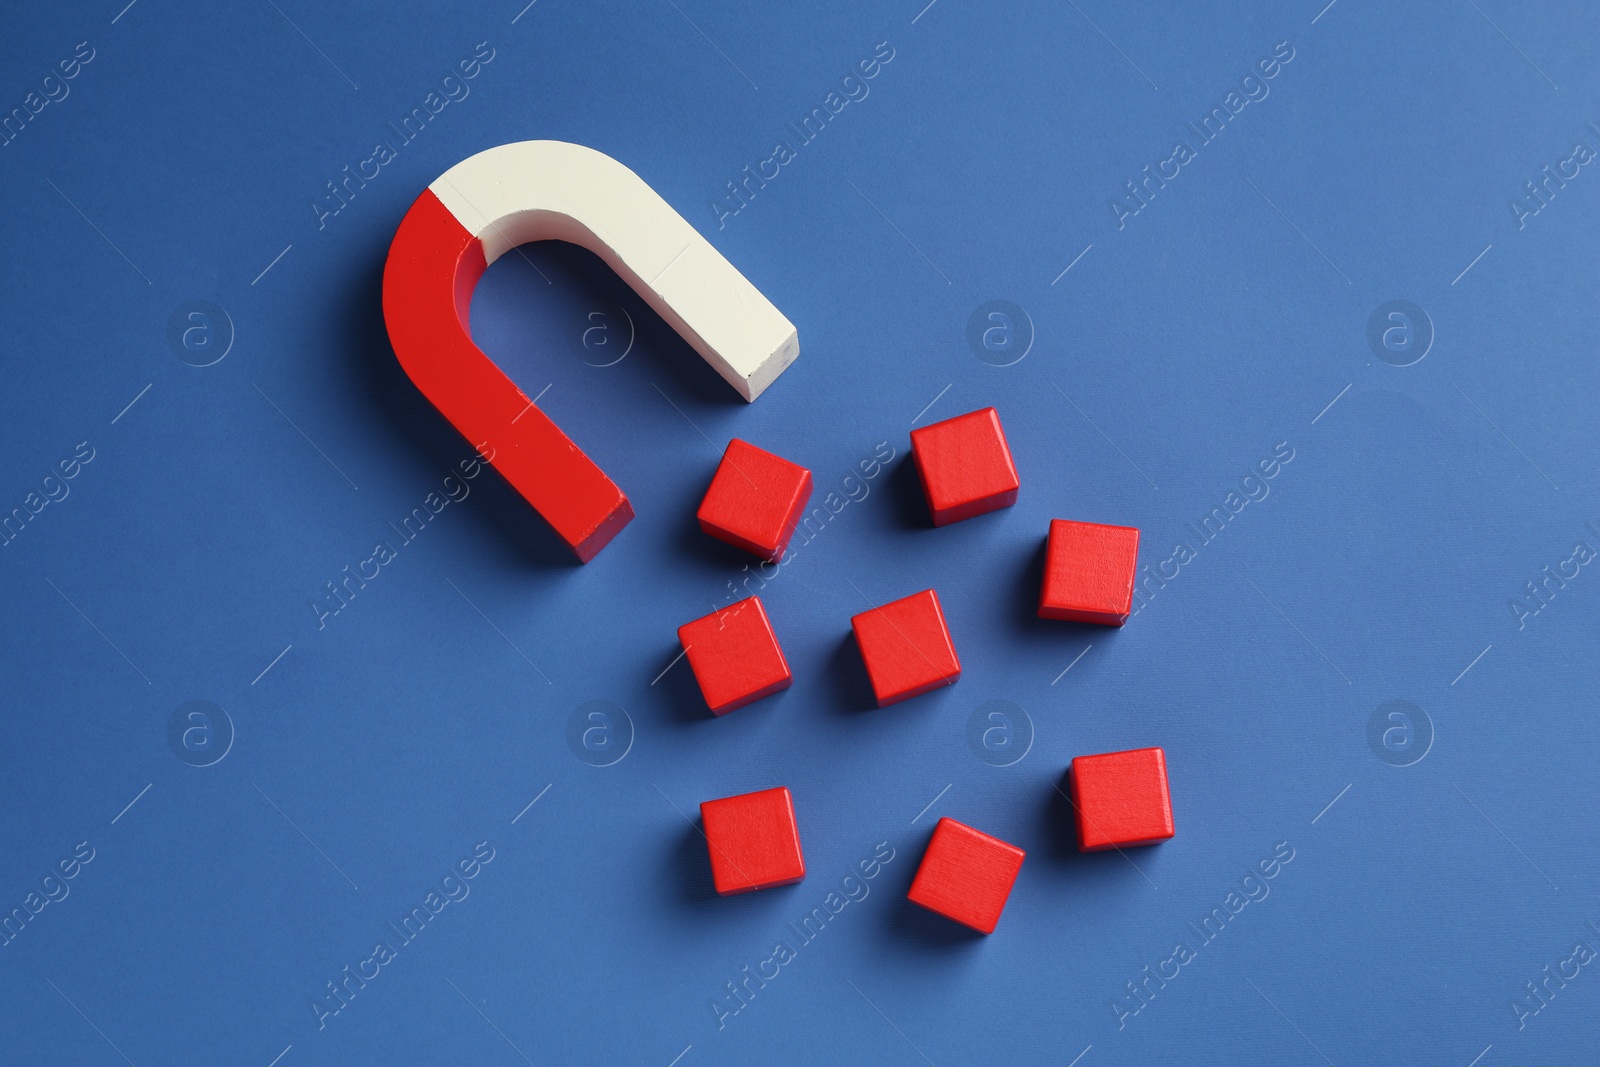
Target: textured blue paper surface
1177, 246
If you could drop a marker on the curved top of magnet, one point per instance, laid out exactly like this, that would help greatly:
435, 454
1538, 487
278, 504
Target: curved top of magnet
553, 190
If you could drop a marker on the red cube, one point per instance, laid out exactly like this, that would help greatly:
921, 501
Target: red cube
735, 656
1121, 799
1089, 572
906, 647
966, 875
755, 500
753, 841
965, 466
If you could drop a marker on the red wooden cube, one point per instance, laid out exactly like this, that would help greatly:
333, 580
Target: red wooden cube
906, 647
1121, 799
755, 500
1089, 572
966, 875
965, 466
753, 841
735, 656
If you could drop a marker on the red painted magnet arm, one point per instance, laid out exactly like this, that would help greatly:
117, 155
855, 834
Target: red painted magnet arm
434, 264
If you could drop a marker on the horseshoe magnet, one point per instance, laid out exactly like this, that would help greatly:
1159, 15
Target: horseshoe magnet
550, 190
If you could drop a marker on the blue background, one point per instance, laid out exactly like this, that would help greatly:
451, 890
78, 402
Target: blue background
1179, 350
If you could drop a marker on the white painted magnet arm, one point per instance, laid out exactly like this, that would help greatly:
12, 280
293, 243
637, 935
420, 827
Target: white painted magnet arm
552, 190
